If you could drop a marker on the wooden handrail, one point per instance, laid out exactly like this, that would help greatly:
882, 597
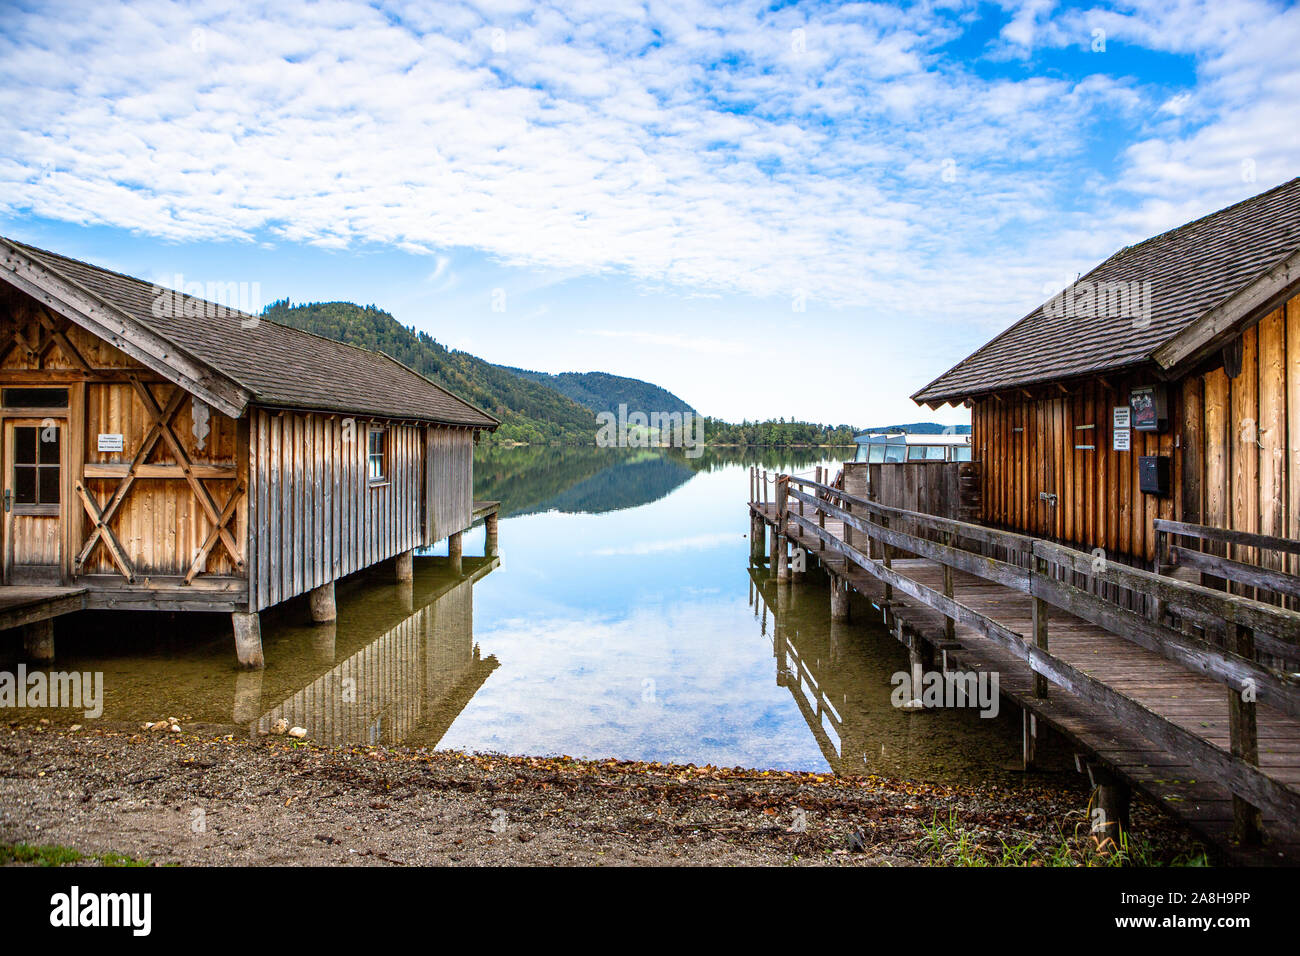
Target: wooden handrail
1257, 615
978, 532
1189, 652
1247, 539
1240, 776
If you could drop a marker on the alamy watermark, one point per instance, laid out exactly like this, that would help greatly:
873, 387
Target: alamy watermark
58, 689
656, 429
933, 689
1097, 300
198, 300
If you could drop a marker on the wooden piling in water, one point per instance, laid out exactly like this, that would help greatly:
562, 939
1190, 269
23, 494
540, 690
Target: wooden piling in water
322, 604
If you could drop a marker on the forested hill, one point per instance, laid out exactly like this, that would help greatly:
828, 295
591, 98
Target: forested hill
530, 411
602, 392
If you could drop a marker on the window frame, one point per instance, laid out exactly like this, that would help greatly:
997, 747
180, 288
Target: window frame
38, 507
383, 478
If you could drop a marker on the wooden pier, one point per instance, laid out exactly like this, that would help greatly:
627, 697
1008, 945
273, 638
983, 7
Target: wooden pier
1147, 698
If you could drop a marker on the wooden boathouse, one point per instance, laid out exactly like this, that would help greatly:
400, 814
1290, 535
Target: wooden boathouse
1130, 565
1163, 386
164, 452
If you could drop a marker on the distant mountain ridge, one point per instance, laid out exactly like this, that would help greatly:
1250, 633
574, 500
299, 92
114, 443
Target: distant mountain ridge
602, 392
539, 407
530, 411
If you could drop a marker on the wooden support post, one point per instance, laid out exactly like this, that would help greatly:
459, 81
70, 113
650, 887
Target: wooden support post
1111, 800
491, 543
1040, 627
321, 601
773, 541
1243, 735
455, 550
248, 639
888, 558
38, 641
783, 550
1029, 736
757, 544
949, 625
1162, 551
839, 598
406, 566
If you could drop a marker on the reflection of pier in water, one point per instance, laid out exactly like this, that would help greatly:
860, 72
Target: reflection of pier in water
805, 666
409, 684
839, 675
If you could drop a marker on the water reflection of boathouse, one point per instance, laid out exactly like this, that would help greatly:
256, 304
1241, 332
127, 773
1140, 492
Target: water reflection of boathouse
406, 686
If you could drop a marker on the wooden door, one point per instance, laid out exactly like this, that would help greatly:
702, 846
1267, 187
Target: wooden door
1050, 429
34, 450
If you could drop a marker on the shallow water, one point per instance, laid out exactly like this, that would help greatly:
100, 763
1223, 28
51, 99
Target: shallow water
621, 620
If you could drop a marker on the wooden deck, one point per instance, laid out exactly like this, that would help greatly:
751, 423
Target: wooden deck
30, 605
1195, 703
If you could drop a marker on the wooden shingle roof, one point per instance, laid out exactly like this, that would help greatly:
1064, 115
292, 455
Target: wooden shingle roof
1190, 274
273, 365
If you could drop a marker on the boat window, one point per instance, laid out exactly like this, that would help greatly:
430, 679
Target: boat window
876, 453
895, 453
961, 453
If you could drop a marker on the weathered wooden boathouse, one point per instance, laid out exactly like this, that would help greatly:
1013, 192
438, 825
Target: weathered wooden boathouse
163, 452
1163, 386
1129, 564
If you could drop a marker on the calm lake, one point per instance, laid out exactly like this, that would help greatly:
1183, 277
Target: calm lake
621, 620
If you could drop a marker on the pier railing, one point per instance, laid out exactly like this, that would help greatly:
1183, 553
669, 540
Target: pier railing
875, 535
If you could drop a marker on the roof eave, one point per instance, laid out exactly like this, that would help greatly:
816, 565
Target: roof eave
1257, 298
101, 318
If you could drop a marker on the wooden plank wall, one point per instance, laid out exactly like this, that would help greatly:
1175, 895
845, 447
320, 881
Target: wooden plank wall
450, 491
316, 516
1062, 444
1249, 438
948, 489
159, 525
1232, 443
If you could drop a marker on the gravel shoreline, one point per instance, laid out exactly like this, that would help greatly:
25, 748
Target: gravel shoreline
203, 796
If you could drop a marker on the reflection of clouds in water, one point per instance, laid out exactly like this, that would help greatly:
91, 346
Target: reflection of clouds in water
576, 686
698, 542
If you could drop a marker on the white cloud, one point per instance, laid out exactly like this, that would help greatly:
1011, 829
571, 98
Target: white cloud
687, 146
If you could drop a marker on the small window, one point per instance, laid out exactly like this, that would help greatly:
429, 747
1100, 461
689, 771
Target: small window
36, 398
36, 466
925, 453
961, 453
895, 453
377, 456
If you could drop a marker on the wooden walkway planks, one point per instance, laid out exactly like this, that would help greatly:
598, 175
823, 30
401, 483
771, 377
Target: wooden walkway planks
28, 605
1195, 703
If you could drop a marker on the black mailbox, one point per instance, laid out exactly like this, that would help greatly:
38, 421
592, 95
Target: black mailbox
1153, 474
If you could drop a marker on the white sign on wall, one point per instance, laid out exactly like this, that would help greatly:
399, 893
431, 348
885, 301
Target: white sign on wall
1120, 439
109, 443
1120, 415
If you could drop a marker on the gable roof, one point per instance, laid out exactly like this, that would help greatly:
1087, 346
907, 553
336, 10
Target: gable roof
228, 357
1201, 278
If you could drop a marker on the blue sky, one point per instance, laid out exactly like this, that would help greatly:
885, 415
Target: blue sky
693, 194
